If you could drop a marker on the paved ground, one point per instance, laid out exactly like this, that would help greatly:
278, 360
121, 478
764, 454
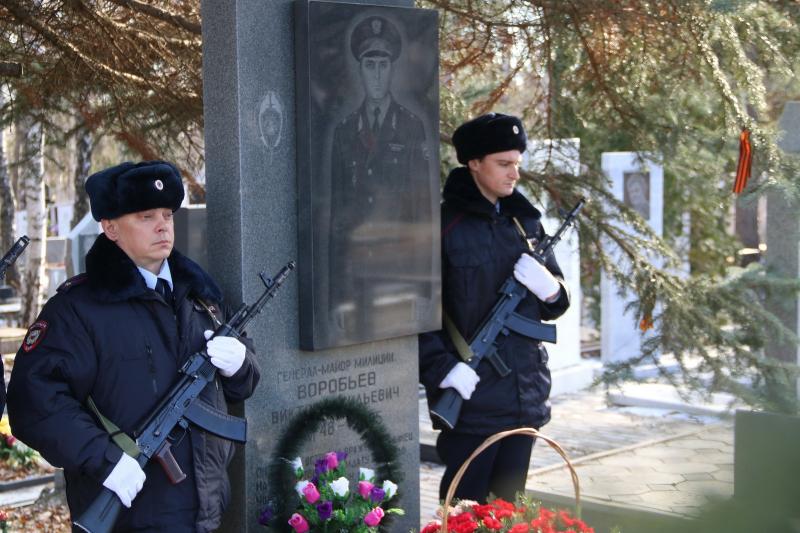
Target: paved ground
649, 459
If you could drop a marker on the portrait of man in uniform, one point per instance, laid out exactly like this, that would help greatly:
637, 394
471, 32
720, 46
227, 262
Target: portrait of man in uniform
637, 192
377, 260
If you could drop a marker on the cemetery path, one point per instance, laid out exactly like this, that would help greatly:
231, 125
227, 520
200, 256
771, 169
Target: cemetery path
649, 459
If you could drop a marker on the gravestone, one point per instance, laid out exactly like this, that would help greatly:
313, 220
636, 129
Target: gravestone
79, 241
639, 182
55, 263
783, 242
249, 95
563, 156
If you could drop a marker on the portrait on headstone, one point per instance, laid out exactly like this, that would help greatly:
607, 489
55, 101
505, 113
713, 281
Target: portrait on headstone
370, 177
637, 192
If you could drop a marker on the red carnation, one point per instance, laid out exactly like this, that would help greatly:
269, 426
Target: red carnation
492, 523
432, 527
482, 511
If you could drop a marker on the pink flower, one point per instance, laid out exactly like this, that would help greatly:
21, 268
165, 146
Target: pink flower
364, 488
311, 493
298, 523
331, 460
10, 440
373, 517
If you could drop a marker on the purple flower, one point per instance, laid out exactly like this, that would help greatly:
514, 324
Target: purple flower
377, 494
266, 515
341, 456
325, 510
320, 466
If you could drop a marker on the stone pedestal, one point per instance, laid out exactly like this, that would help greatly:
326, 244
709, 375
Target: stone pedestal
248, 66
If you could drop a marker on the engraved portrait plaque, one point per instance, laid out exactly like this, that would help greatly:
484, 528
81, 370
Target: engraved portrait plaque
367, 107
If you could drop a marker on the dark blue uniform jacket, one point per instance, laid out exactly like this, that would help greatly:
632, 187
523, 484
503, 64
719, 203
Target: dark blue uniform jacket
479, 250
106, 335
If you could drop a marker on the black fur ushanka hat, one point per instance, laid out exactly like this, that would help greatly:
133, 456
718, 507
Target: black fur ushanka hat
487, 134
131, 187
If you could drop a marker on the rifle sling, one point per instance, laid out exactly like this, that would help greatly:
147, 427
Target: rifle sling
119, 437
458, 340
522, 233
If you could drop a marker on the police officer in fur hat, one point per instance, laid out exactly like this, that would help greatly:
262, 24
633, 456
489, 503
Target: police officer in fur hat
379, 176
118, 335
486, 229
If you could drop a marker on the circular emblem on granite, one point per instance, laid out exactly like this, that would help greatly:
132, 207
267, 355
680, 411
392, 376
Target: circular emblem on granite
159, 185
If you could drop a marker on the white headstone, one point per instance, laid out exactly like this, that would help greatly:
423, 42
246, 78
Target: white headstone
79, 241
639, 182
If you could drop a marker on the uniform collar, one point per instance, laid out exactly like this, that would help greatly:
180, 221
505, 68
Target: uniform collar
151, 279
461, 192
114, 277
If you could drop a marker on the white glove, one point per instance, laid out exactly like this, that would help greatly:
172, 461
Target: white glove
536, 278
462, 378
126, 479
226, 353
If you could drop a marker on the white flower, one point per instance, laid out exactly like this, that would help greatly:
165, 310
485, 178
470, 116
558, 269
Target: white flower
297, 466
366, 474
389, 488
340, 486
300, 485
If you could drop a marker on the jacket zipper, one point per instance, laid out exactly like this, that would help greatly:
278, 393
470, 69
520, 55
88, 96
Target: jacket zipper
151, 365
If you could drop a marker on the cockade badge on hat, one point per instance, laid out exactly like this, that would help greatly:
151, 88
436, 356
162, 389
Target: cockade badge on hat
160, 184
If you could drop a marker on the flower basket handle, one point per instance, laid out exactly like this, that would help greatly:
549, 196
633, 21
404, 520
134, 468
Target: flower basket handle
531, 432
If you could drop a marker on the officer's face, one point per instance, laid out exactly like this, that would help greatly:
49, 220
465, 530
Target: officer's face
376, 74
145, 236
496, 174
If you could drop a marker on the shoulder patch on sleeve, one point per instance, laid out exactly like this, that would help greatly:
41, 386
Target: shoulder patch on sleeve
34, 336
73, 281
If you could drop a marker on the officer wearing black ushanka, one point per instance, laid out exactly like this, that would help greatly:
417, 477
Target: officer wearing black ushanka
118, 334
485, 226
378, 161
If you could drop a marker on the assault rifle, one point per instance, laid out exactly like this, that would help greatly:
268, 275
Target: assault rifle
13, 254
178, 408
501, 320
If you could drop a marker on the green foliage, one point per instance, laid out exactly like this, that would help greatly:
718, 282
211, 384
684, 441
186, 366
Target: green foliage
16, 454
678, 81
